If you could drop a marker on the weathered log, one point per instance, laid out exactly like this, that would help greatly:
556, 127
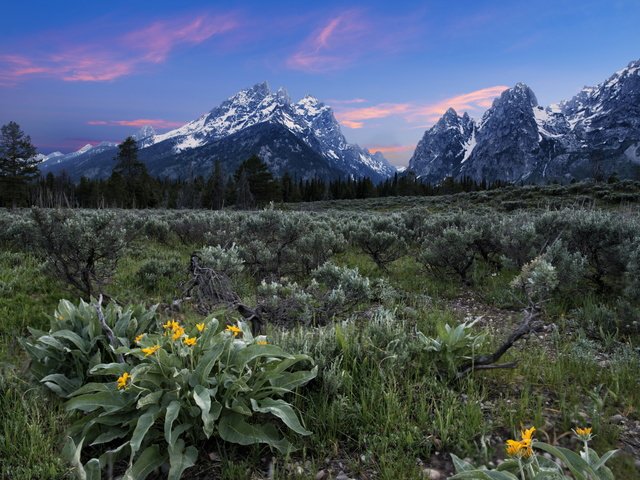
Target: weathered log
530, 323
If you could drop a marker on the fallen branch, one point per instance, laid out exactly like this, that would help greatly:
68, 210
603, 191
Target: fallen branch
113, 341
530, 323
210, 289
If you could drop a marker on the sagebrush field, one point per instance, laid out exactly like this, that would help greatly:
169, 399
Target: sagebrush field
347, 339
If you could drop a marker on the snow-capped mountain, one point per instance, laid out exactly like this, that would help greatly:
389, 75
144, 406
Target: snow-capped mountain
302, 138
596, 133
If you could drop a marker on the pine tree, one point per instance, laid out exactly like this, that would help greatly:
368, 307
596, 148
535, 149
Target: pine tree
263, 187
18, 164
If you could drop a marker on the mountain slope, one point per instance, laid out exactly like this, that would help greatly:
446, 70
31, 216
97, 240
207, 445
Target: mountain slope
303, 138
596, 133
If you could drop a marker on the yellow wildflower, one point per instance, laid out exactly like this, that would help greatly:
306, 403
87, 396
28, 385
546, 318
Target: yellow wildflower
514, 448
233, 329
200, 327
123, 379
139, 338
191, 341
150, 350
583, 433
171, 325
177, 333
261, 342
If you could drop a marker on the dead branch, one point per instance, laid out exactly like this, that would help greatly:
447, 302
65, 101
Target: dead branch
113, 341
210, 289
530, 323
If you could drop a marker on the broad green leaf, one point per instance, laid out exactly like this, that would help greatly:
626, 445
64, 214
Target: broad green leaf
60, 384
289, 381
109, 401
152, 398
572, 460
206, 363
173, 410
181, 459
51, 342
147, 462
460, 465
110, 435
605, 457
202, 396
246, 355
73, 338
145, 422
233, 428
116, 369
283, 411
93, 387
92, 469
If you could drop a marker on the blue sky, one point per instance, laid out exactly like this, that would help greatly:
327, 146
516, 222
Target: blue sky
73, 73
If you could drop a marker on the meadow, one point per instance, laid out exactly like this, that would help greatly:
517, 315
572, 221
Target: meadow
336, 339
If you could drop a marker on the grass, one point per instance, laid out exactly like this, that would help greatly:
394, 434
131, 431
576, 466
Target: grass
378, 404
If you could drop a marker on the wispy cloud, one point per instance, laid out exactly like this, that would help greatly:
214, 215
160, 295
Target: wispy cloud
391, 149
140, 122
349, 101
473, 101
354, 118
347, 37
114, 56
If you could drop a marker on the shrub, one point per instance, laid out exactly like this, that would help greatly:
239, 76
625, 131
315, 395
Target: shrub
81, 248
451, 253
155, 271
380, 238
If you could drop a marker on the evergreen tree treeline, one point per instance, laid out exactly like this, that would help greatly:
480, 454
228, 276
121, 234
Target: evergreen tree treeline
252, 185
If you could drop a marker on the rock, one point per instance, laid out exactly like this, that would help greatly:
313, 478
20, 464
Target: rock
617, 419
322, 475
433, 474
342, 476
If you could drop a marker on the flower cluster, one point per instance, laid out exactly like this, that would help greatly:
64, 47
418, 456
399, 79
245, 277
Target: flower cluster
233, 329
521, 448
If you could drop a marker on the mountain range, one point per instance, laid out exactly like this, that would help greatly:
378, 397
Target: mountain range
301, 138
594, 134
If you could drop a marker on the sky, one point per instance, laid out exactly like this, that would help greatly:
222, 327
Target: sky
73, 73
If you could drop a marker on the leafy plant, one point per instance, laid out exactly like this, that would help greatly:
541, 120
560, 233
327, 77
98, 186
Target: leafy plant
76, 341
453, 345
178, 388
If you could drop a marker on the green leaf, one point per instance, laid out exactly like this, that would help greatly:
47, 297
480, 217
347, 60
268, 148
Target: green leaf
246, 355
116, 369
207, 361
60, 384
147, 462
181, 459
74, 338
152, 398
202, 396
282, 410
109, 401
572, 460
145, 422
233, 428
604, 459
110, 435
460, 465
289, 381
173, 410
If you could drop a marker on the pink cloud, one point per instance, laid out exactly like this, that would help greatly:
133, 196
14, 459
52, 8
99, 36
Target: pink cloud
478, 99
472, 101
354, 118
387, 149
116, 56
140, 122
347, 38
345, 102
